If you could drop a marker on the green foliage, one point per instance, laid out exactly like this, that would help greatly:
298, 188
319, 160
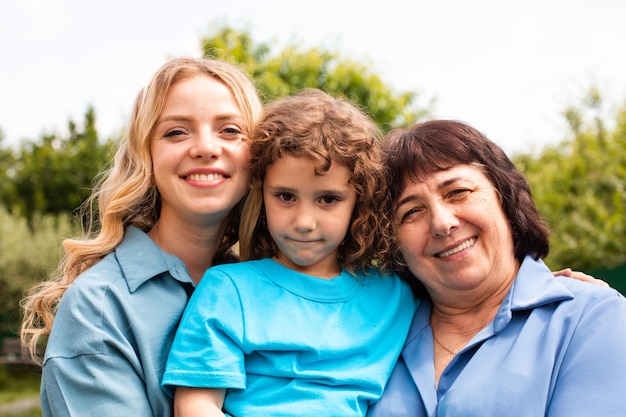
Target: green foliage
45, 180
19, 387
579, 187
54, 175
293, 69
27, 255
7, 171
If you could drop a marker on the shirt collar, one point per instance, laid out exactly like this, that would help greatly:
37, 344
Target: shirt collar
534, 286
141, 260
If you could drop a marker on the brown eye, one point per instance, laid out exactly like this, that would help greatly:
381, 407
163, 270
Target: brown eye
285, 197
458, 192
328, 199
173, 133
410, 214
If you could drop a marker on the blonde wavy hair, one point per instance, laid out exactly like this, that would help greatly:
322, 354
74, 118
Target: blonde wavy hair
124, 194
312, 124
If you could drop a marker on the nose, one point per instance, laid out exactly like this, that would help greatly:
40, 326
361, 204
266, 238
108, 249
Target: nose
206, 144
443, 220
304, 220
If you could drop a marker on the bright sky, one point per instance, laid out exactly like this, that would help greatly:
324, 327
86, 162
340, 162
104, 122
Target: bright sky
508, 68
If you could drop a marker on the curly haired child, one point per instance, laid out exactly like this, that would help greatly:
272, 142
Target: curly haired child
311, 323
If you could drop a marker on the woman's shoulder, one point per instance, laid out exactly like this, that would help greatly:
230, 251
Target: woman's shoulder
98, 277
592, 294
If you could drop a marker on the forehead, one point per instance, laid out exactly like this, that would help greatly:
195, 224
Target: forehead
299, 172
462, 173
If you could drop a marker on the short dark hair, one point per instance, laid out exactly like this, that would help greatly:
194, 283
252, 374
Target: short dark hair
413, 153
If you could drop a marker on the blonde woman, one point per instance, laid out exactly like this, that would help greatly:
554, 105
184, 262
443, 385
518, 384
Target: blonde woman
165, 211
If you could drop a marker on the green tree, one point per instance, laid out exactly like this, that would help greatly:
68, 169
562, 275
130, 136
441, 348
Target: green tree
55, 175
27, 255
579, 186
7, 171
294, 68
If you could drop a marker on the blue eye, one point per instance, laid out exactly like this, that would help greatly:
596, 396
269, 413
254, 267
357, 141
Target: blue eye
232, 133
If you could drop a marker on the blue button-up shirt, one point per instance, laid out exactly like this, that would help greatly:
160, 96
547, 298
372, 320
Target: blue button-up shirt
112, 334
557, 347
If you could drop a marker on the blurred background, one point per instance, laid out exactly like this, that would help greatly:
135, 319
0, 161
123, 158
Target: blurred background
545, 80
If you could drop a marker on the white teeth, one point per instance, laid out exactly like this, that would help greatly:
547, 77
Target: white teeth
458, 249
204, 177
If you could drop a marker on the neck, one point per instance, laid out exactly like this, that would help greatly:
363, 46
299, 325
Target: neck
453, 329
461, 307
461, 325
194, 246
457, 316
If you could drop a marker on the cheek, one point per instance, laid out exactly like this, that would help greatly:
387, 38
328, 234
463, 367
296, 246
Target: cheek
241, 154
241, 161
163, 155
273, 215
409, 239
159, 167
245, 179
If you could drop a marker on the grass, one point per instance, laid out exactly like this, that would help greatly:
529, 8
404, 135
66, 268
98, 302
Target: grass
15, 386
33, 412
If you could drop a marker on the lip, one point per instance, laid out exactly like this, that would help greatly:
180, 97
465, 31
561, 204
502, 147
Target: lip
457, 248
303, 242
205, 172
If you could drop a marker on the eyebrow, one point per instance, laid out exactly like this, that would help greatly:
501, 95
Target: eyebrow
173, 118
291, 190
444, 184
184, 118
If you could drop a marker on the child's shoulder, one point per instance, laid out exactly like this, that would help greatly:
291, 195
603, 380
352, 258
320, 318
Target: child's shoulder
244, 268
385, 278
238, 266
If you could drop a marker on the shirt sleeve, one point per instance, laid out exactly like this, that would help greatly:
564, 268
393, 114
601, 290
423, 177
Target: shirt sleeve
91, 369
592, 376
208, 349
92, 385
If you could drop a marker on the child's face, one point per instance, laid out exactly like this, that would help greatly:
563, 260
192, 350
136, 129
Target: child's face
308, 215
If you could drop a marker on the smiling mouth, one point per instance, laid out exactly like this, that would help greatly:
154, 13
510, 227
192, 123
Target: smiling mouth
462, 246
205, 177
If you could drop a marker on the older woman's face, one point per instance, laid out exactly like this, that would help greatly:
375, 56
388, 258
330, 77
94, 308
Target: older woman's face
453, 233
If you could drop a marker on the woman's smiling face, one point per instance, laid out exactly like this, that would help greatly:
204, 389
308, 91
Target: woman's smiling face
453, 233
198, 152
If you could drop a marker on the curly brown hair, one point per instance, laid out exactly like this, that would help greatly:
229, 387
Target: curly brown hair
312, 124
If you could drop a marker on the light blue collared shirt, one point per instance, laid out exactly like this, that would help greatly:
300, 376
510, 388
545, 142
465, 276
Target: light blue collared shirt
557, 347
112, 334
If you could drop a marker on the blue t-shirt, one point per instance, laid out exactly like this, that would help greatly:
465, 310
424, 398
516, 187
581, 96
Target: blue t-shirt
557, 347
112, 333
287, 344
